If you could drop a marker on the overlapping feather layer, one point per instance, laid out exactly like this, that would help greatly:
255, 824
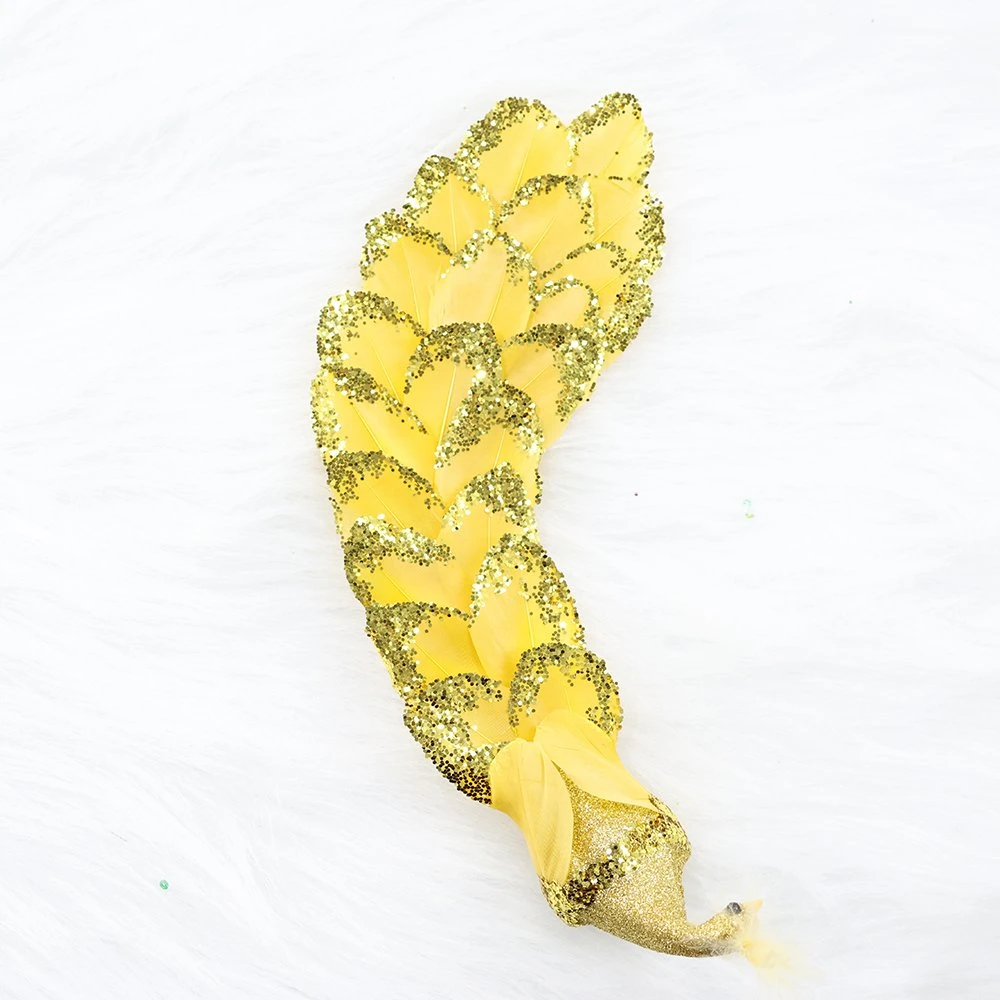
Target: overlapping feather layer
491, 302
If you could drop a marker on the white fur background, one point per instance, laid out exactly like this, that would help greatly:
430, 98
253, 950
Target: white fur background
186, 690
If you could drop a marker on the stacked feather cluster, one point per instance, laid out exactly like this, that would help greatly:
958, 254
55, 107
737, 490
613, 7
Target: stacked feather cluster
491, 302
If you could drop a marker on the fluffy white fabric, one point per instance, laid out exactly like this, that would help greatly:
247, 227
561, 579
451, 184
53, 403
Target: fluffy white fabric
186, 690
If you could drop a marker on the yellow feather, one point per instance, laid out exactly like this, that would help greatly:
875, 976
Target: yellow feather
491, 302
528, 787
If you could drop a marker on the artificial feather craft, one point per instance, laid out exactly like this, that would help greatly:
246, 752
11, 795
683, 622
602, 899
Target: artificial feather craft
490, 303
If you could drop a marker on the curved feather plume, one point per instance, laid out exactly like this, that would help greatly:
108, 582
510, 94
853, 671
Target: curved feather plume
491, 302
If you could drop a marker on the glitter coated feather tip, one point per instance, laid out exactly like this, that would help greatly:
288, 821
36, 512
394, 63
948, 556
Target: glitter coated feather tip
490, 303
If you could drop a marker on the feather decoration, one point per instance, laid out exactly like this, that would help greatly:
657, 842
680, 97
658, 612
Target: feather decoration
490, 303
